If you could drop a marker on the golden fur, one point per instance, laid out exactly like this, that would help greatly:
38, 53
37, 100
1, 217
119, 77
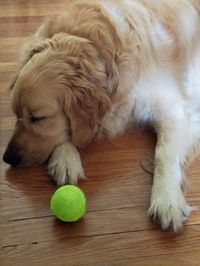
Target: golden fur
95, 70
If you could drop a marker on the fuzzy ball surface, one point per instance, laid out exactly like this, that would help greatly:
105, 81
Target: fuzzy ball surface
68, 203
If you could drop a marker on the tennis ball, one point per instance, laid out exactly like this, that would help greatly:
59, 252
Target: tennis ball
68, 203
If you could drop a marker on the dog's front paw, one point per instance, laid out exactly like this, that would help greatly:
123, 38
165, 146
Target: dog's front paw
170, 208
65, 165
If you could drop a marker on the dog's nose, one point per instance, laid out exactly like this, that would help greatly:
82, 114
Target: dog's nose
11, 156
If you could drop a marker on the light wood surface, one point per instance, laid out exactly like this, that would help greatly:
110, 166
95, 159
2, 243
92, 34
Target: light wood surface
116, 229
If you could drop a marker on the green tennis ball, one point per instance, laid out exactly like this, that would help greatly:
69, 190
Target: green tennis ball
68, 203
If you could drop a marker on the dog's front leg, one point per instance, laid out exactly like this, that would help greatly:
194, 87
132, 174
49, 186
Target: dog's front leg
168, 203
65, 165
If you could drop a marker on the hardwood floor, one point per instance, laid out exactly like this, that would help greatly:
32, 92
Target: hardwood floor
115, 229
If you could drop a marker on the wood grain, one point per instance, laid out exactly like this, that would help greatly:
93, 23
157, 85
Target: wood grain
116, 229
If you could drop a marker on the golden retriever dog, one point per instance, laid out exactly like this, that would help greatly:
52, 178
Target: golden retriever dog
97, 69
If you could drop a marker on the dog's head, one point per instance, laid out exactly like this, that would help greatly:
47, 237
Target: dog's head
61, 94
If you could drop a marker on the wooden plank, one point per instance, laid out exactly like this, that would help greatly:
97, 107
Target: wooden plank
24, 26
85, 250
30, 3
93, 223
162, 260
98, 222
33, 9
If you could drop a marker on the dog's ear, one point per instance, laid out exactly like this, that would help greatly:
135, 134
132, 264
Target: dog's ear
91, 58
85, 109
107, 79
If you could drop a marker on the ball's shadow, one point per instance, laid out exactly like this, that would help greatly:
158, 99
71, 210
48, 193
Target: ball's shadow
34, 188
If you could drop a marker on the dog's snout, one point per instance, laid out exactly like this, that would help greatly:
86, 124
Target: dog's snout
12, 156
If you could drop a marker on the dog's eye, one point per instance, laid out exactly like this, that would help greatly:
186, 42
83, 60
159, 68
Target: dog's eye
35, 119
